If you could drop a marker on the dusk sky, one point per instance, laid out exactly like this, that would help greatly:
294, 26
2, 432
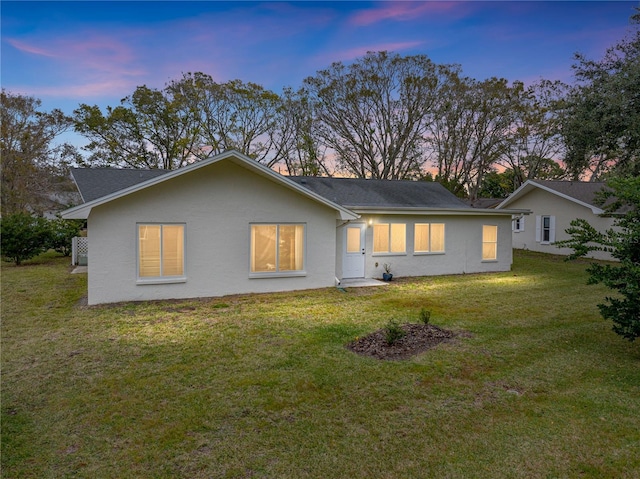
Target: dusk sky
67, 53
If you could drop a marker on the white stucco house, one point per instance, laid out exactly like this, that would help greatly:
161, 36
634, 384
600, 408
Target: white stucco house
229, 225
553, 205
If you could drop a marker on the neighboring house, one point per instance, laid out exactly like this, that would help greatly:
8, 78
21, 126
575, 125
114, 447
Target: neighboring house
553, 205
229, 225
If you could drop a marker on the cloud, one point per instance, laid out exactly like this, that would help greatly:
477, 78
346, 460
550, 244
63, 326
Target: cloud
402, 11
32, 49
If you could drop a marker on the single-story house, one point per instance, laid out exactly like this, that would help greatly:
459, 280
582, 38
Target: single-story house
229, 225
553, 205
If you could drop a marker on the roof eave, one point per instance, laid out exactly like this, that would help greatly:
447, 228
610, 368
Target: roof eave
83, 211
369, 210
529, 185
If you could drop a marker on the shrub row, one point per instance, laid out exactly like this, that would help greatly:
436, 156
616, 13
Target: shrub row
24, 236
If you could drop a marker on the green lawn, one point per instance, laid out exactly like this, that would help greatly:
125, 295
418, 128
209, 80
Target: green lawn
263, 386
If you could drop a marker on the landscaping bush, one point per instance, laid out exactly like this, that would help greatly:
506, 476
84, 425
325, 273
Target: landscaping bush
23, 236
393, 331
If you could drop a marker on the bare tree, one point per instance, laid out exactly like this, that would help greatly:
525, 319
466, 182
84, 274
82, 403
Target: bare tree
373, 113
535, 142
470, 130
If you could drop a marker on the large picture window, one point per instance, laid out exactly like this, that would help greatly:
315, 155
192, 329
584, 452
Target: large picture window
428, 238
489, 242
160, 251
277, 248
389, 238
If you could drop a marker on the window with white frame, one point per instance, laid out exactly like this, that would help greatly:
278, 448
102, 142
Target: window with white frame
390, 238
428, 238
161, 251
489, 242
277, 248
518, 224
545, 229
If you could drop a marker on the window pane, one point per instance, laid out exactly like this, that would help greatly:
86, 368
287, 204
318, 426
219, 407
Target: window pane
381, 238
489, 251
489, 233
263, 248
149, 250
398, 238
546, 228
172, 250
489, 242
353, 239
291, 244
437, 237
421, 238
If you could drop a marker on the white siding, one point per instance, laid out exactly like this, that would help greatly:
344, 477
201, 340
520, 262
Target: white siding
463, 247
217, 204
542, 203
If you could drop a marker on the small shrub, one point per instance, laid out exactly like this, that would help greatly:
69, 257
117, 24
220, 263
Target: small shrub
62, 232
393, 332
425, 316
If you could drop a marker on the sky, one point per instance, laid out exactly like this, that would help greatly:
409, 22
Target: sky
73, 52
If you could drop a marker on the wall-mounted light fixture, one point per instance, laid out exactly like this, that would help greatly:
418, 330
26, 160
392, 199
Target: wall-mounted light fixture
370, 221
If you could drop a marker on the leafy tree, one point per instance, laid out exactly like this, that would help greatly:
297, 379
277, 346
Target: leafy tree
23, 236
373, 113
32, 166
497, 185
150, 129
602, 112
623, 242
61, 234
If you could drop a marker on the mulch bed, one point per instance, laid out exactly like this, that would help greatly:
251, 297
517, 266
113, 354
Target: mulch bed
417, 339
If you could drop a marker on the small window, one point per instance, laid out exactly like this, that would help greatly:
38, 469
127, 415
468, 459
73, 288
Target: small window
160, 251
389, 238
518, 224
545, 229
489, 242
277, 248
428, 238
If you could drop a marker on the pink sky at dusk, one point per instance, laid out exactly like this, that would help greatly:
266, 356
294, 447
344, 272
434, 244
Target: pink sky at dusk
67, 53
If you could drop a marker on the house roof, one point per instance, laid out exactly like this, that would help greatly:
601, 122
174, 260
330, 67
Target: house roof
94, 183
579, 192
116, 188
357, 193
350, 196
484, 202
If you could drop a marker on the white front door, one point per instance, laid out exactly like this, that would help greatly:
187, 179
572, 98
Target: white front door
354, 253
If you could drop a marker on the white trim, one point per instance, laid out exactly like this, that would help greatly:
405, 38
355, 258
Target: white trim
277, 273
82, 211
530, 184
419, 210
161, 279
390, 238
430, 250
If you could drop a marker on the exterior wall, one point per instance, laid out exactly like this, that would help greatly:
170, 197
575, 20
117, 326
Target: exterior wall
217, 204
463, 247
543, 203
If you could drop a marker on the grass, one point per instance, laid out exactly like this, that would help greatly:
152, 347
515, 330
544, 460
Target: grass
262, 385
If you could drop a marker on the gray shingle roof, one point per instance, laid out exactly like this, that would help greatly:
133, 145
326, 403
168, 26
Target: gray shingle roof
580, 190
95, 183
356, 192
